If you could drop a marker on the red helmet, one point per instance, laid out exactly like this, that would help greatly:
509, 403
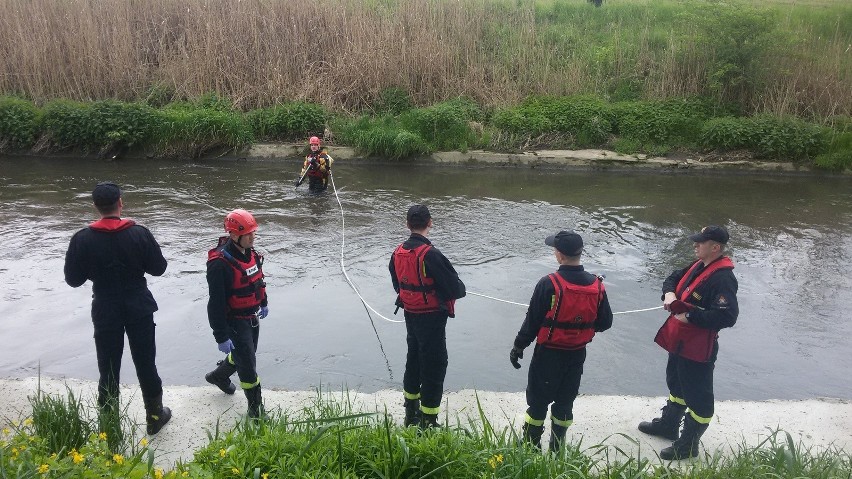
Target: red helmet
314, 140
240, 222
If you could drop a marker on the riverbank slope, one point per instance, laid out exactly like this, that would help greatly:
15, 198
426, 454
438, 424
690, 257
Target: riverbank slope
609, 420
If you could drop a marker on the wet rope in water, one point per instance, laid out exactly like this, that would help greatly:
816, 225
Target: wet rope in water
367, 307
370, 308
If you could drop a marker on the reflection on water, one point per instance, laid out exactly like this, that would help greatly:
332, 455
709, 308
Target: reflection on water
791, 241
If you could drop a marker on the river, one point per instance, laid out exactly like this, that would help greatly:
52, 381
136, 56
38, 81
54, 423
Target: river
791, 239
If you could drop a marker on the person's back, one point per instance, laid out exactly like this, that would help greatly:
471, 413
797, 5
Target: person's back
115, 254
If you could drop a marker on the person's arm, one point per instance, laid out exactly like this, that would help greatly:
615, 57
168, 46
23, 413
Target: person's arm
720, 302
75, 275
394, 280
448, 285
540, 304
155, 262
218, 277
604, 319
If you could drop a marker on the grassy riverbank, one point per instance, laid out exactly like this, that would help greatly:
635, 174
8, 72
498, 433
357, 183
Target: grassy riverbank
764, 56
769, 79
329, 436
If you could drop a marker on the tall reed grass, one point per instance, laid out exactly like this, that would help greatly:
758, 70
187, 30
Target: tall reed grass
764, 55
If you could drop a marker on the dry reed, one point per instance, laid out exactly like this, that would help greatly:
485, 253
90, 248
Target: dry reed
343, 53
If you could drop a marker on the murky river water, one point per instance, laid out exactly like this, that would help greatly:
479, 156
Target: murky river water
791, 241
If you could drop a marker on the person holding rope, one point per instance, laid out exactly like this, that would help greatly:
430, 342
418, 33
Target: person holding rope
427, 288
237, 304
701, 300
567, 308
317, 167
115, 253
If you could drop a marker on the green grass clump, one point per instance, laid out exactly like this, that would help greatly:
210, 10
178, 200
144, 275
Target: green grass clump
19, 123
771, 136
290, 121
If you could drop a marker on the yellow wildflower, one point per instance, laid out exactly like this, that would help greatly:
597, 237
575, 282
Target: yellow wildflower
14, 453
6, 431
28, 421
72, 451
235, 470
495, 461
53, 456
78, 458
158, 473
265, 475
102, 436
222, 452
23, 448
118, 458
143, 442
42, 469
184, 474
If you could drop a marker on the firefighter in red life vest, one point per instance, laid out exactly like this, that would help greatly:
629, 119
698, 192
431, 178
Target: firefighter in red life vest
237, 302
701, 299
427, 287
317, 166
115, 253
566, 309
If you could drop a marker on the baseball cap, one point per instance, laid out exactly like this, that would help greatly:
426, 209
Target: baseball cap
568, 243
106, 193
711, 233
418, 216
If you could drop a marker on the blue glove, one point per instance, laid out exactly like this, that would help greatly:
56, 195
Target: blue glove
226, 346
264, 310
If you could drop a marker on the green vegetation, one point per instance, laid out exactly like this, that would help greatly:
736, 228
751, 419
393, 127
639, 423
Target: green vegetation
329, 438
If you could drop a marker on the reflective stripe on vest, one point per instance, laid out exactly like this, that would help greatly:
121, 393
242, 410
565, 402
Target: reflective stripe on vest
570, 323
685, 339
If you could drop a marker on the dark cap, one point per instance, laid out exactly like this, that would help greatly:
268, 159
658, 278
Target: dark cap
711, 233
106, 193
568, 243
418, 216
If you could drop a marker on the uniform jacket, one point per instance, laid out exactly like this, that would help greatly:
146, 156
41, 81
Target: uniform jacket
448, 286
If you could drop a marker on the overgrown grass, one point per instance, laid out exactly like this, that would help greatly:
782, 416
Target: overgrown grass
765, 56
331, 437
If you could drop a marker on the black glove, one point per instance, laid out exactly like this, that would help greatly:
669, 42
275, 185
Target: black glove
514, 355
297, 183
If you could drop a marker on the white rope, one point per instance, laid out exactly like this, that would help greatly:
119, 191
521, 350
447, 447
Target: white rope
343, 267
367, 305
527, 305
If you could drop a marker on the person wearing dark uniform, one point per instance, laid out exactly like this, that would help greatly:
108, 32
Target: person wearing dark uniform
237, 302
427, 286
567, 308
701, 300
317, 167
114, 254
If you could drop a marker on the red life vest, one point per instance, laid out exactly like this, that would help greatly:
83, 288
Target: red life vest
416, 290
111, 225
247, 287
570, 323
685, 339
321, 170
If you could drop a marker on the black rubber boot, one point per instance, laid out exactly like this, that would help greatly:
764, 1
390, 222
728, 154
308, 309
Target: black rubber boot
221, 376
532, 434
255, 402
667, 425
557, 436
412, 412
156, 415
428, 421
686, 446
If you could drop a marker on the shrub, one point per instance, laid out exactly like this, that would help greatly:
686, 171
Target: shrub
445, 126
194, 132
838, 156
383, 136
290, 121
587, 118
66, 124
726, 133
675, 121
393, 101
118, 124
19, 123
787, 138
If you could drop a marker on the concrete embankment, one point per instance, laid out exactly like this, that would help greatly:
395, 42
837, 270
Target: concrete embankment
609, 420
591, 159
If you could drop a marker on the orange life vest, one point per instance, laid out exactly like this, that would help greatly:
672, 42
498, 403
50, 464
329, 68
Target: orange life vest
416, 290
685, 339
570, 323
